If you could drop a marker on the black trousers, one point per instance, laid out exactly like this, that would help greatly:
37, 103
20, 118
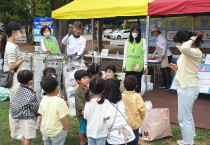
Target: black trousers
166, 74
138, 75
129, 143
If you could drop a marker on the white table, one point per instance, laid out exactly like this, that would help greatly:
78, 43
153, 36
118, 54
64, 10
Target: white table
110, 56
116, 57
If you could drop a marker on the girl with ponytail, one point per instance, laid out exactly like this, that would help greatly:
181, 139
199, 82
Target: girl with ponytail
96, 112
13, 61
187, 81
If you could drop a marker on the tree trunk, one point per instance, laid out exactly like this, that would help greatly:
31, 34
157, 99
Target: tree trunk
100, 29
4, 21
60, 29
55, 27
94, 31
27, 33
125, 23
30, 36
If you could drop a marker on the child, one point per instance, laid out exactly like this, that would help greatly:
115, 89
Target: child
96, 112
52, 72
82, 78
53, 110
94, 70
117, 124
111, 72
24, 106
134, 105
49, 71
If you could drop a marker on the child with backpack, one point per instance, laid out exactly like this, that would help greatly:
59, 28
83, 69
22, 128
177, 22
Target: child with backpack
119, 130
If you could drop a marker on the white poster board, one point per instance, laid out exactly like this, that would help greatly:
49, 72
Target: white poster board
203, 81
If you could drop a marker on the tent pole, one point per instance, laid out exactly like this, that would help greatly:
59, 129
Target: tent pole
139, 23
92, 25
147, 41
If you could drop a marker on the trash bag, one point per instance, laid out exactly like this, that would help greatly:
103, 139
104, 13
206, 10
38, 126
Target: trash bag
148, 104
4, 93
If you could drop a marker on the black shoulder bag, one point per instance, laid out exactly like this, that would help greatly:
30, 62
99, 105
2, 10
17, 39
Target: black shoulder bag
6, 78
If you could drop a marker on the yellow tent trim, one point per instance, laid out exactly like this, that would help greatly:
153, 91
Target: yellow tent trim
87, 9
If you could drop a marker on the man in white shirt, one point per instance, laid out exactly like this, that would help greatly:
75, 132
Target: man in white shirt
165, 56
75, 43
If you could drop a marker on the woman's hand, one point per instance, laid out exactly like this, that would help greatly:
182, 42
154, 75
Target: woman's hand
22, 58
14, 65
173, 66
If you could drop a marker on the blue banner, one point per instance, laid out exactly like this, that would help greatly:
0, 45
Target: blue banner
170, 25
38, 24
203, 81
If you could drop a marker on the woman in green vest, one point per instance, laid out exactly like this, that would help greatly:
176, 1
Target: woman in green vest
135, 58
49, 44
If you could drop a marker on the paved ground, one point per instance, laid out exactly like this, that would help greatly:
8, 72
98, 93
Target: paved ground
168, 99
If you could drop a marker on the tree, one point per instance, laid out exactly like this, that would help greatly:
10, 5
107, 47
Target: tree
27, 10
60, 27
23, 12
5, 7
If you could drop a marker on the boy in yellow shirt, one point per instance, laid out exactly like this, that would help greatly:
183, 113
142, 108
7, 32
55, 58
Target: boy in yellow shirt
53, 110
134, 105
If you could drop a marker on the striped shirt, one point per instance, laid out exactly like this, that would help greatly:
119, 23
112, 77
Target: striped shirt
12, 54
24, 105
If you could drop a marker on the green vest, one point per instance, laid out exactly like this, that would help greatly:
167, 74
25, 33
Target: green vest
135, 56
51, 45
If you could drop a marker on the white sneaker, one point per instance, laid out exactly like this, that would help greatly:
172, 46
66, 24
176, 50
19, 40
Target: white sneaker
17, 137
181, 142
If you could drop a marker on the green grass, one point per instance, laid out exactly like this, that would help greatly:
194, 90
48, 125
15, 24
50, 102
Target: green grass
5, 139
203, 135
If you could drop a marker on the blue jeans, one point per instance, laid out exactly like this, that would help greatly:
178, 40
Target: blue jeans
98, 141
186, 99
136, 132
